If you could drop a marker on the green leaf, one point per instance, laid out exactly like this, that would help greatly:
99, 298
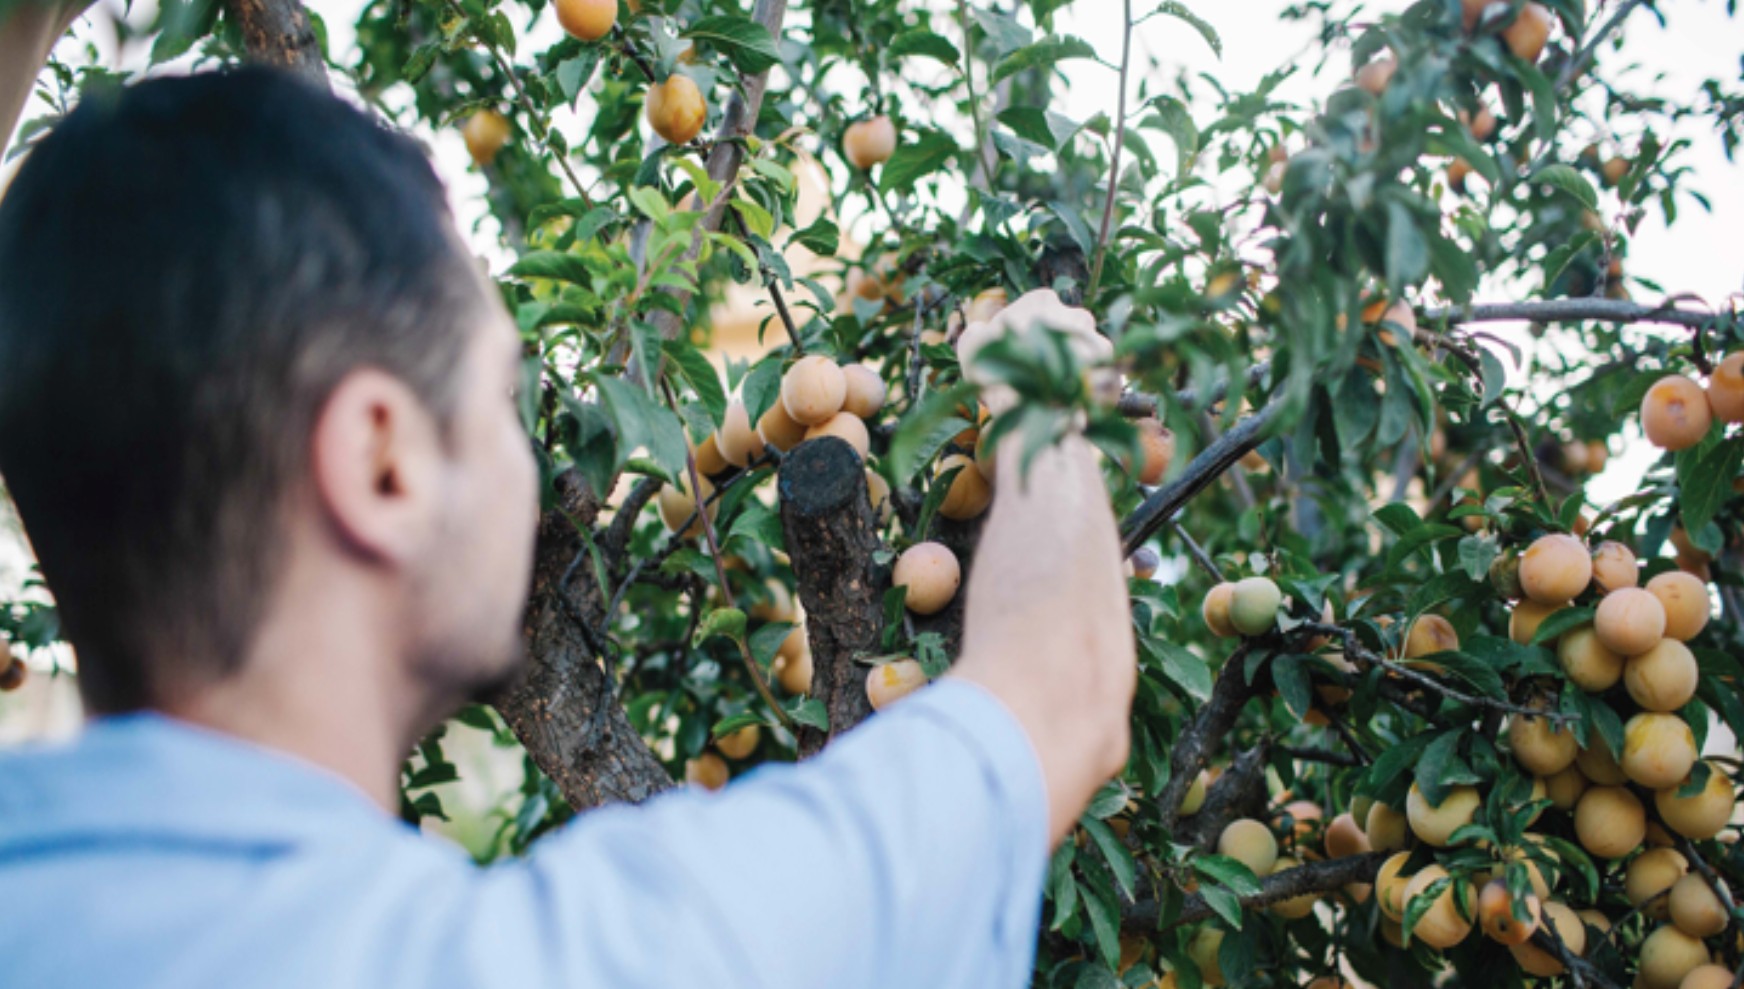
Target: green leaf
1184, 669
1223, 903
766, 642
1174, 119
554, 265
1476, 553
919, 41
726, 726
1045, 53
1564, 178
1398, 517
747, 43
1104, 921
1227, 872
821, 238
725, 622
1407, 251
808, 711
1704, 480
694, 368
641, 423
1559, 622
1431, 772
915, 161
180, 23
1290, 675
757, 219
1120, 861
1179, 11
924, 431
762, 387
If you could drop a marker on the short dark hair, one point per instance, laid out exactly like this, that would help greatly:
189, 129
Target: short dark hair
188, 266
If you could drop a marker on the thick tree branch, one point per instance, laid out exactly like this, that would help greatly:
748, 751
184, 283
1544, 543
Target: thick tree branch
277, 32
562, 705
1239, 792
827, 519
1571, 311
1208, 466
1192, 750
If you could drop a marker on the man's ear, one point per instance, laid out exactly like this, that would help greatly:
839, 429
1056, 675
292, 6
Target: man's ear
375, 457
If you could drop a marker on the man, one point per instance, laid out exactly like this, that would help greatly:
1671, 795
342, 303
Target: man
257, 415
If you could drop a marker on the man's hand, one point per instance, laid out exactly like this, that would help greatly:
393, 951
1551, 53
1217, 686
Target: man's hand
1040, 308
1049, 627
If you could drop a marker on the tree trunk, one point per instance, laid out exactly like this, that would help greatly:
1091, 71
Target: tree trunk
563, 706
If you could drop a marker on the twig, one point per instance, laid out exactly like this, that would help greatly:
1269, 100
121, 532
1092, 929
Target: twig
1578, 62
969, 80
1319, 755
1137, 405
1114, 156
1197, 552
1315, 877
624, 522
1356, 651
714, 548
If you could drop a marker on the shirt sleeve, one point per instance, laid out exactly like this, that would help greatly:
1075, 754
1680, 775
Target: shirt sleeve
912, 852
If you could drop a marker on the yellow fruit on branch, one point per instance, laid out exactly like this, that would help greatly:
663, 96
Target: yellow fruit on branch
1344, 838
1499, 919
1658, 749
869, 142
849, 428
1215, 610
739, 443
1664, 677
1436, 823
1390, 883
931, 574
1158, 443
1540, 745
1609, 822
866, 391
708, 771
1253, 606
813, 390
1387, 829
1202, 952
485, 132
587, 20
676, 109
1726, 389
1685, 599
1374, 77
1648, 879
1568, 927
969, 495
677, 505
1599, 766
1443, 925
1614, 567
1667, 955
741, 743
1529, 33
1675, 413
1589, 665
1693, 906
780, 430
1703, 814
1555, 569
1630, 621
1251, 843
1296, 907
1708, 976
1430, 634
1524, 620
890, 682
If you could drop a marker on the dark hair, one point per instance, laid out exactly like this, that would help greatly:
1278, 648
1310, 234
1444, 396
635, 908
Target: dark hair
188, 266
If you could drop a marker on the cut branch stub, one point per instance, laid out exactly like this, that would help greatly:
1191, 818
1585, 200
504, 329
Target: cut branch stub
826, 515
562, 705
278, 32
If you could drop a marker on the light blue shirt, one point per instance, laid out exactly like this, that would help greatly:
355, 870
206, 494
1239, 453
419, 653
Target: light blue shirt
149, 853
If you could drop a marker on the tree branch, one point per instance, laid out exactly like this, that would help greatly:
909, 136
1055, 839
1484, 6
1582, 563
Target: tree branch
1572, 311
1114, 155
826, 516
1213, 722
277, 32
1208, 466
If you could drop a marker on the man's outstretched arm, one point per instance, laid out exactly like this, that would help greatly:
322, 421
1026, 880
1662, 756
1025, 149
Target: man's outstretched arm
28, 33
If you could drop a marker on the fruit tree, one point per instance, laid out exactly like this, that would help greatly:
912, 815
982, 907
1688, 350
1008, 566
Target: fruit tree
1412, 700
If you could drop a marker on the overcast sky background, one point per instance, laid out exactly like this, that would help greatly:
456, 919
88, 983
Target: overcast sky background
1702, 256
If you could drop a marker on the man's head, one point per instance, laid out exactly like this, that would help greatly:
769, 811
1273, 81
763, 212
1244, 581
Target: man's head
240, 340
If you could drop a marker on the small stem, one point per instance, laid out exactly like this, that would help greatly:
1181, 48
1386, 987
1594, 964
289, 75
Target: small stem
969, 80
1114, 157
1197, 552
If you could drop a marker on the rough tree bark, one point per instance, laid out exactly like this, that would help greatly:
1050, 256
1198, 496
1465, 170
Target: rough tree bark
826, 516
277, 32
563, 706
